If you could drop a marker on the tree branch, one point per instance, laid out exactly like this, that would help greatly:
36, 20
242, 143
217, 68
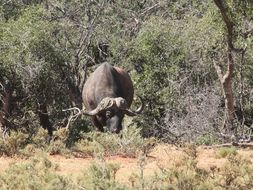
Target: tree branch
73, 117
228, 22
218, 70
149, 9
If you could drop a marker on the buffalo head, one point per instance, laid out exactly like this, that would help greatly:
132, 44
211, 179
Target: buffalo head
110, 112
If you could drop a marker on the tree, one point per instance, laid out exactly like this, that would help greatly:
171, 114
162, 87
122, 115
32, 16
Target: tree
226, 77
168, 47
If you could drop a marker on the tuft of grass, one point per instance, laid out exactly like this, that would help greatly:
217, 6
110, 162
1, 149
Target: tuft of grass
224, 152
207, 140
190, 150
237, 173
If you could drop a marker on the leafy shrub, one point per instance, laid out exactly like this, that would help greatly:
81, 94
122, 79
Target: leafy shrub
58, 143
101, 175
75, 131
40, 138
184, 176
57, 147
226, 151
38, 174
19, 143
13, 143
237, 173
84, 148
207, 139
128, 143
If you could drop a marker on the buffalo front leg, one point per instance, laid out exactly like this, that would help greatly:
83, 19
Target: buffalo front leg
97, 124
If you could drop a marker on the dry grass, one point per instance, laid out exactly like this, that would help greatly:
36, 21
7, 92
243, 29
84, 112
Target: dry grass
162, 157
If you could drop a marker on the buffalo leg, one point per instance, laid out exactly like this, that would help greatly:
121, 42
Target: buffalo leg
97, 124
44, 118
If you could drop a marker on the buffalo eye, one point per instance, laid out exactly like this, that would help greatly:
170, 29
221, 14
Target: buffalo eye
108, 114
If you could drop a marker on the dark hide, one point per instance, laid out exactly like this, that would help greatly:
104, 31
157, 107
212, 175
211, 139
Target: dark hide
107, 81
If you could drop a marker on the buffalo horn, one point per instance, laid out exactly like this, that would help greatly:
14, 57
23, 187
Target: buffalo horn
138, 111
105, 104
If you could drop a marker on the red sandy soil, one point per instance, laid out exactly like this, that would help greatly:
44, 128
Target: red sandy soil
162, 156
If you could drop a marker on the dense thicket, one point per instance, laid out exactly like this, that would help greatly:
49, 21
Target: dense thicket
175, 51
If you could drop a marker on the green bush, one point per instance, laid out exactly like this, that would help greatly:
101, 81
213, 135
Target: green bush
128, 143
38, 174
40, 138
236, 174
226, 151
101, 175
58, 143
207, 140
180, 177
20, 143
12, 144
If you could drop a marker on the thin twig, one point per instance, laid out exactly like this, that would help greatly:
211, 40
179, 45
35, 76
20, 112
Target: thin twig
149, 9
73, 117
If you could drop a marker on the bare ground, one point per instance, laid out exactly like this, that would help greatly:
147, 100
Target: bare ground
162, 156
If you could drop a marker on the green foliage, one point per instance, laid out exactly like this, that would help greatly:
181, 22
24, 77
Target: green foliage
207, 140
76, 130
129, 143
12, 144
225, 152
18, 36
235, 174
20, 144
101, 175
184, 176
57, 144
13, 9
167, 47
40, 173
39, 139
152, 57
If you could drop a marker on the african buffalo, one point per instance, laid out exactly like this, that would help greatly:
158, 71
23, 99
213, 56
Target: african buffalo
107, 95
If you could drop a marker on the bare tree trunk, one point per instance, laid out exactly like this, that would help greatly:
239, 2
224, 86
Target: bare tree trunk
227, 79
226, 82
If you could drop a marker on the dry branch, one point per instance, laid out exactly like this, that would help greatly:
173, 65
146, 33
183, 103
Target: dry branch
149, 9
239, 145
73, 117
